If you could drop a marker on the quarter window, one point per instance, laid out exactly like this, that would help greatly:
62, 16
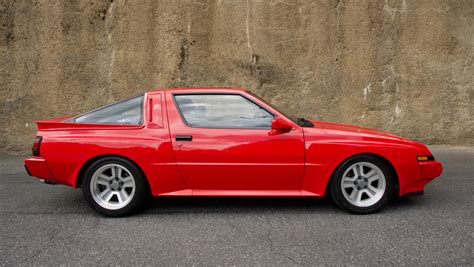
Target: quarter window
222, 111
128, 112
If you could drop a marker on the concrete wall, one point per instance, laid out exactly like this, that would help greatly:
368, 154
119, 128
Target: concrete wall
398, 65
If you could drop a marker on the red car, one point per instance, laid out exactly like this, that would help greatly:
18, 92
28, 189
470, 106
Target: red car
223, 142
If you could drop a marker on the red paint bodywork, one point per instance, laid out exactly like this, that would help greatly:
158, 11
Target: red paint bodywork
224, 162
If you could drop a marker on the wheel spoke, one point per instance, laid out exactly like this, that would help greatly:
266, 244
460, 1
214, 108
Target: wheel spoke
127, 182
370, 191
348, 184
361, 169
105, 177
119, 197
353, 194
373, 178
372, 188
349, 179
370, 173
105, 194
356, 173
113, 172
109, 196
122, 196
103, 180
119, 172
359, 196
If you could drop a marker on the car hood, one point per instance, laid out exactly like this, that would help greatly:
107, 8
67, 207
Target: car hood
351, 132
351, 128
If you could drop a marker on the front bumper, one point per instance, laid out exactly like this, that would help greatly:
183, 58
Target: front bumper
429, 171
37, 167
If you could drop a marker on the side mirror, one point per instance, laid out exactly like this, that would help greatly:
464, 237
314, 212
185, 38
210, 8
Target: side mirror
281, 125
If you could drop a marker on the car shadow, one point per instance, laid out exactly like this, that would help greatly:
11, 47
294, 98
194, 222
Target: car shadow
202, 205
236, 204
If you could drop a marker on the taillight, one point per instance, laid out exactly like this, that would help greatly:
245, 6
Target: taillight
36, 146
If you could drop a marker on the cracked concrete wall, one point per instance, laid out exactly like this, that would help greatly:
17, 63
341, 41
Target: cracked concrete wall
398, 65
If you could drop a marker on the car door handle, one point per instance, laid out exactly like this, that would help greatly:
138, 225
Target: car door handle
184, 138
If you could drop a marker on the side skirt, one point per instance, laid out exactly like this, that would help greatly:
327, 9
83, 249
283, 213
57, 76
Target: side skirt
241, 193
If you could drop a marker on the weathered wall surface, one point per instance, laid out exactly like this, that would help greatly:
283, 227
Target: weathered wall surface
398, 65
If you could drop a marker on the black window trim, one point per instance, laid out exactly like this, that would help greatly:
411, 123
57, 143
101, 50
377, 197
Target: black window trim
219, 93
141, 122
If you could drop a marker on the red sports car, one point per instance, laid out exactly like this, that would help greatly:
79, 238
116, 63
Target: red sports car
223, 142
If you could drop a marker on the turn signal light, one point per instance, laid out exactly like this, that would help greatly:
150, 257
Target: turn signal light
36, 146
424, 158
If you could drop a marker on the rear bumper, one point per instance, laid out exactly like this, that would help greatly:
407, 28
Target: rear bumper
37, 167
429, 171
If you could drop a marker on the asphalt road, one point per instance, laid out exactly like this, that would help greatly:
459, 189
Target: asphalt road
44, 224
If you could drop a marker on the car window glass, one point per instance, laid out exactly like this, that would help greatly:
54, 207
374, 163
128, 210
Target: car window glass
222, 111
127, 112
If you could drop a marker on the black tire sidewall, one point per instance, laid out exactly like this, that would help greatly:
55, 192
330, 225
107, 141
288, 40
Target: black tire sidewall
338, 196
141, 187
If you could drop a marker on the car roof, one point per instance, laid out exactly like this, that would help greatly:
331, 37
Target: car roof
201, 90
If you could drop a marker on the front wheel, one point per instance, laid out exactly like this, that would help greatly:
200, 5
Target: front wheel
114, 187
362, 185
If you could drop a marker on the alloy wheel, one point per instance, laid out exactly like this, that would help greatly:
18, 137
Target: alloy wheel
363, 184
112, 186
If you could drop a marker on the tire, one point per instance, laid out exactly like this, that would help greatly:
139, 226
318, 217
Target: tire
362, 190
115, 187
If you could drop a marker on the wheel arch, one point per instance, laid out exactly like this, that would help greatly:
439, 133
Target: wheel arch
90, 161
382, 158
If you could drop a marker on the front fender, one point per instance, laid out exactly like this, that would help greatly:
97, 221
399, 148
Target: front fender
323, 157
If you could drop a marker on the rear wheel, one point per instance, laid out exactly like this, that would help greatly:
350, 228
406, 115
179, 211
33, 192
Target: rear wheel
363, 184
114, 187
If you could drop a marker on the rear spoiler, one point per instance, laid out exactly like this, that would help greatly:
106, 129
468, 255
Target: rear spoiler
48, 125
53, 123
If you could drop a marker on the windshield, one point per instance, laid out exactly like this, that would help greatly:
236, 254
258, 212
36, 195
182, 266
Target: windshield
300, 121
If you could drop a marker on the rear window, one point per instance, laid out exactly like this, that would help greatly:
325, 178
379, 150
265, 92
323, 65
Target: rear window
126, 112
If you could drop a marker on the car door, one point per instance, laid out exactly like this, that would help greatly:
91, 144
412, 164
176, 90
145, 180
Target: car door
224, 141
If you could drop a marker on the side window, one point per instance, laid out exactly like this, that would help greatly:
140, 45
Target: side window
222, 111
127, 112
